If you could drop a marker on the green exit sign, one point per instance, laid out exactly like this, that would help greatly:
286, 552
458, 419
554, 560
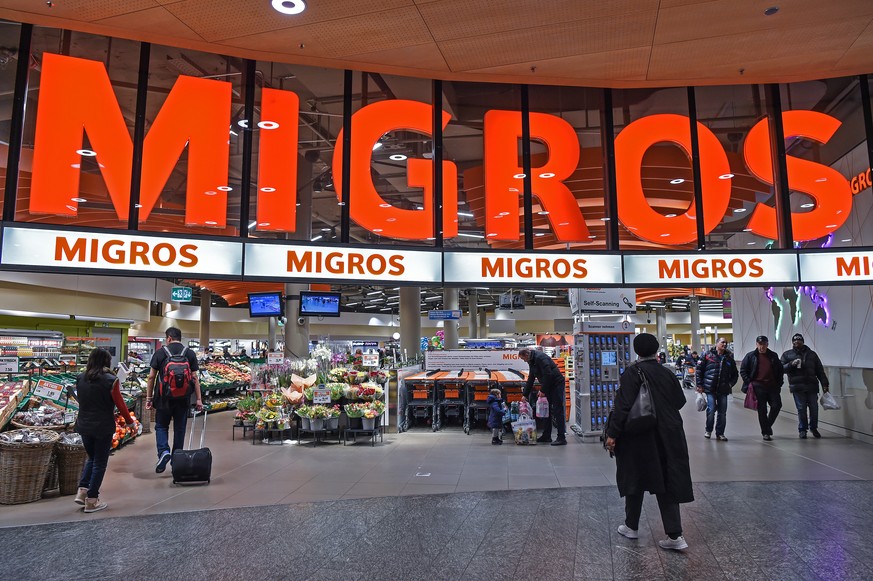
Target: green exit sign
181, 294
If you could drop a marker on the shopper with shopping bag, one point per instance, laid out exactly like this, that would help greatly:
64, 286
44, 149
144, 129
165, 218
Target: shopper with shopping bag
551, 380
653, 457
761, 371
805, 371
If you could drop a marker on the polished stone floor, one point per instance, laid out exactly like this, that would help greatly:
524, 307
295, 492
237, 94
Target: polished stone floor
446, 505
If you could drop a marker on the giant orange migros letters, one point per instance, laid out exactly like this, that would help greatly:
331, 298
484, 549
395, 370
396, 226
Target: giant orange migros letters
76, 96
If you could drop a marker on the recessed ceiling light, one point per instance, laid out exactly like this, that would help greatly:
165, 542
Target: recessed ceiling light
290, 7
664, 235
419, 207
547, 175
268, 125
80, 200
325, 229
677, 181
520, 176
384, 205
831, 226
377, 145
397, 157
725, 176
822, 179
316, 238
739, 210
751, 243
670, 216
605, 219
224, 188
771, 11
86, 152
268, 189
543, 213
807, 205
210, 192
211, 223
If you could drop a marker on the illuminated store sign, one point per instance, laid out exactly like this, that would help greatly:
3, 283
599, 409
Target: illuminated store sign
719, 270
542, 268
287, 262
836, 266
95, 250
76, 98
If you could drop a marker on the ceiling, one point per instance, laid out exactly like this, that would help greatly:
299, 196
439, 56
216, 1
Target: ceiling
620, 43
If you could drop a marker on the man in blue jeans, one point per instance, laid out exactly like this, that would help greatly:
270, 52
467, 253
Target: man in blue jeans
715, 376
169, 409
805, 371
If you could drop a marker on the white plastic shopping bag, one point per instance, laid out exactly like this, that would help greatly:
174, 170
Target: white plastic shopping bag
829, 402
542, 406
701, 402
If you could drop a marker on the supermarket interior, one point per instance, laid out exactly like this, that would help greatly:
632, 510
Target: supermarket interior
356, 239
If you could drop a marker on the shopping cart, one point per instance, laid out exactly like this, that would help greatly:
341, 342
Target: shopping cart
451, 397
419, 390
478, 386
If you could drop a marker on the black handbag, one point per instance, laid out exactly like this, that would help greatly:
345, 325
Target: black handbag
642, 416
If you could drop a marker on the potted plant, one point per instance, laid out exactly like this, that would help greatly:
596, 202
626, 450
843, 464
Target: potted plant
317, 414
354, 411
369, 419
303, 413
331, 422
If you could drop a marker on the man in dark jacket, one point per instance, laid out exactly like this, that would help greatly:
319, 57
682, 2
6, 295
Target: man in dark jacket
716, 375
805, 371
551, 380
655, 460
761, 370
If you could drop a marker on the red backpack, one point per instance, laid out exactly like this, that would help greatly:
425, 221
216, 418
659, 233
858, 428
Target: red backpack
176, 376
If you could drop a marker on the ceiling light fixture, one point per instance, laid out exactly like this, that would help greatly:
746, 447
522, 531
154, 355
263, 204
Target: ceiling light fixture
80, 200
268, 125
725, 176
397, 157
377, 145
677, 181
290, 7
739, 210
807, 205
86, 152
771, 11
538, 234
316, 238
268, 189
467, 214
470, 235
670, 216
547, 175
520, 176
224, 188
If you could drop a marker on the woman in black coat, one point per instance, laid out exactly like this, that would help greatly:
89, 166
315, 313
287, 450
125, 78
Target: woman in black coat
656, 460
99, 393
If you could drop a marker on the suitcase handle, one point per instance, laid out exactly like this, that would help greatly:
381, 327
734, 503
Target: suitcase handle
193, 424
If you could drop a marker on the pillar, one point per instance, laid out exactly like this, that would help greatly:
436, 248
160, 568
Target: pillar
473, 302
661, 325
296, 335
483, 323
694, 307
205, 316
450, 302
410, 321
271, 333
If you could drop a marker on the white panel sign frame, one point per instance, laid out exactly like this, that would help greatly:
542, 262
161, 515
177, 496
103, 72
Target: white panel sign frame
470, 359
516, 268
762, 269
832, 267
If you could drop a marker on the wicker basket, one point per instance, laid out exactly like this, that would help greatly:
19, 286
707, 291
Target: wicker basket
23, 468
71, 461
50, 487
58, 428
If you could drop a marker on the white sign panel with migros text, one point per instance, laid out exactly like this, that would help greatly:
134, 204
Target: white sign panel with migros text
472, 359
836, 266
295, 262
525, 268
110, 251
608, 300
711, 269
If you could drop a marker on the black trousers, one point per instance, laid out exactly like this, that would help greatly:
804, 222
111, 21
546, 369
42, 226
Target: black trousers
766, 397
557, 411
633, 508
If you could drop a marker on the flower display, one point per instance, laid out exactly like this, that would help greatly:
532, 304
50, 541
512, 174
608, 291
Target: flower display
333, 411
370, 414
337, 390
317, 412
355, 410
303, 411
338, 374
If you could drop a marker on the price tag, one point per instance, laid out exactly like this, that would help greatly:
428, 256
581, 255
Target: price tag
48, 389
8, 364
371, 360
275, 358
69, 417
320, 396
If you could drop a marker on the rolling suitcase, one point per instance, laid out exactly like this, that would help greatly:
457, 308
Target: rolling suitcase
193, 466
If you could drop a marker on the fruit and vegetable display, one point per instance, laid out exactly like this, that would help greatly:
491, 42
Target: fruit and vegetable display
25, 436
124, 434
217, 375
41, 413
11, 393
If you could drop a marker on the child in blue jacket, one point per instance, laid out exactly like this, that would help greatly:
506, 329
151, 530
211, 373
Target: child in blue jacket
495, 416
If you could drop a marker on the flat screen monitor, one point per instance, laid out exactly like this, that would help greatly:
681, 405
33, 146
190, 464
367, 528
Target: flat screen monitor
319, 304
266, 305
608, 358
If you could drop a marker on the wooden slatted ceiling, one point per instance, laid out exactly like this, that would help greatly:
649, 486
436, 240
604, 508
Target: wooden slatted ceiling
620, 43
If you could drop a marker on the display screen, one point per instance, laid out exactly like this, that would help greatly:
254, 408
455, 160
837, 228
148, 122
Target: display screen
319, 304
266, 305
608, 358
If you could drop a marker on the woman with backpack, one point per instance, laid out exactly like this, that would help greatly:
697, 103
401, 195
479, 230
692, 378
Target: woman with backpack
99, 393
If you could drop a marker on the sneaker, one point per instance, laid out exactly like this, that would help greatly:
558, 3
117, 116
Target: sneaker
162, 462
81, 495
767, 437
815, 433
721, 438
94, 505
676, 544
544, 440
802, 435
495, 441
560, 442
707, 435
628, 532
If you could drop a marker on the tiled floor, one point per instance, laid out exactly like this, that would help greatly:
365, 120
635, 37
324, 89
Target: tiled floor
447, 505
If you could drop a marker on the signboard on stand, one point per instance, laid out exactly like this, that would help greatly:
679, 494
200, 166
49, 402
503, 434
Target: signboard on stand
275, 358
320, 396
48, 389
371, 360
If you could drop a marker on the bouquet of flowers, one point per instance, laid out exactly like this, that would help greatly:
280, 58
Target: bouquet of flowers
371, 414
338, 374
370, 391
318, 412
337, 390
378, 376
303, 411
333, 411
378, 406
307, 393
355, 410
